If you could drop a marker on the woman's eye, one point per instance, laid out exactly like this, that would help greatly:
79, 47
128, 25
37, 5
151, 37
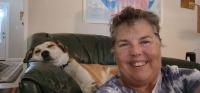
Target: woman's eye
145, 42
123, 45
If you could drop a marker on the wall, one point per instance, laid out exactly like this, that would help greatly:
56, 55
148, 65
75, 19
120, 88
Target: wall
178, 26
60, 16
16, 36
179, 29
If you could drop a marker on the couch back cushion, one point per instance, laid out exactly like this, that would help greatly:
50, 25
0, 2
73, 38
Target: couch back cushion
83, 47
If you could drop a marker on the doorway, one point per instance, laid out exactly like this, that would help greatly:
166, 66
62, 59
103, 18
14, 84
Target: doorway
3, 29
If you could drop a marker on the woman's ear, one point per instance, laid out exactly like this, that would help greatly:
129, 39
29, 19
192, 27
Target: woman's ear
113, 54
112, 51
197, 90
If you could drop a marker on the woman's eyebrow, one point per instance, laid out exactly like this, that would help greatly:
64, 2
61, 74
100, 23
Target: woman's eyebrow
122, 40
145, 37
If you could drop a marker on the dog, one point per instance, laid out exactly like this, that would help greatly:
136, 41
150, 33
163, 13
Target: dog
88, 76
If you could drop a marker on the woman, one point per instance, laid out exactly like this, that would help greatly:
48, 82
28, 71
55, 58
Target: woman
137, 50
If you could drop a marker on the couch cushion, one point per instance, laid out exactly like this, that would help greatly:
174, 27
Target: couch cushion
180, 63
84, 48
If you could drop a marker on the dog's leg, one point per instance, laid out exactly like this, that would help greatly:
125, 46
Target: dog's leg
89, 88
106, 75
81, 76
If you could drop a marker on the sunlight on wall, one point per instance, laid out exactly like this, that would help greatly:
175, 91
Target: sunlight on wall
1, 19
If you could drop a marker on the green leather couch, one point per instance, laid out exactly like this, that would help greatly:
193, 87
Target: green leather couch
43, 77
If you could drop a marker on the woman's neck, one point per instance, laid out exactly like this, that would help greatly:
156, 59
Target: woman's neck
144, 89
140, 86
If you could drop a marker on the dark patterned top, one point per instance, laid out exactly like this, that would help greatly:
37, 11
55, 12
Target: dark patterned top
171, 80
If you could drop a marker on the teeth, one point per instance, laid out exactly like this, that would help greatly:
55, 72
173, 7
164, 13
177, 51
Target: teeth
138, 64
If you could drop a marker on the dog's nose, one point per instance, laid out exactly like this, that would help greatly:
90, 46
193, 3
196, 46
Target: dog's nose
45, 55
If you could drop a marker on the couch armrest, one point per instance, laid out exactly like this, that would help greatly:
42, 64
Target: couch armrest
44, 77
180, 63
29, 87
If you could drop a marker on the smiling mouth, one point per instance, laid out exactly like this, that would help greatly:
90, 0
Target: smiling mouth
139, 63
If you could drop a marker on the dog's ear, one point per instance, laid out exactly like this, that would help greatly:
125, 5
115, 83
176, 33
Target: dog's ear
64, 49
29, 55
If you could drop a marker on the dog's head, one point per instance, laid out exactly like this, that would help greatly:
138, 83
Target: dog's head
50, 51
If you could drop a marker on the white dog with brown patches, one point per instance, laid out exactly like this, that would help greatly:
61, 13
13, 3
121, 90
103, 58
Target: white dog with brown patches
88, 76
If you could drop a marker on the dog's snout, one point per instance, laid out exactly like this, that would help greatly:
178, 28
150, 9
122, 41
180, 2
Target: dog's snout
45, 55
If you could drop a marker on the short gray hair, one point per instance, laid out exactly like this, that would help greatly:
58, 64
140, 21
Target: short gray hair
130, 15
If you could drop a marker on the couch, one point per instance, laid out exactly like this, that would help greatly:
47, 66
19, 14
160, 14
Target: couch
43, 77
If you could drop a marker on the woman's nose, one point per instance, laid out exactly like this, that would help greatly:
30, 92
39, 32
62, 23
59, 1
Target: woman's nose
135, 50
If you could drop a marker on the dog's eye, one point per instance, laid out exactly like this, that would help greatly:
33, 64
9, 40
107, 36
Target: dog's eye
37, 51
49, 46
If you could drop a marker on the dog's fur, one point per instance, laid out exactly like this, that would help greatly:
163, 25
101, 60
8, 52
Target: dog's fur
88, 76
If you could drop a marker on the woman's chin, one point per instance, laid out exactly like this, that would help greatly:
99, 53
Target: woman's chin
142, 76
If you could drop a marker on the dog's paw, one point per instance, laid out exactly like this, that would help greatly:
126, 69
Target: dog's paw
94, 87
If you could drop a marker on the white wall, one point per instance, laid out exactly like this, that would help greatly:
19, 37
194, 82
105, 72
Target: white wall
60, 16
178, 29
16, 36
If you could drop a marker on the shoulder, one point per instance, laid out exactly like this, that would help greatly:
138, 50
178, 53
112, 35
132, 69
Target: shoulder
180, 72
176, 73
183, 78
111, 86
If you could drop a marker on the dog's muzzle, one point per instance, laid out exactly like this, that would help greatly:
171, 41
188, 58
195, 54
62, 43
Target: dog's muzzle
46, 55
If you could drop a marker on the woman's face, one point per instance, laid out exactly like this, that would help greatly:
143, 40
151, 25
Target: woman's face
137, 51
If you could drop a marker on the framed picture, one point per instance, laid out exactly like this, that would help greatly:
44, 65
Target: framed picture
101, 11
